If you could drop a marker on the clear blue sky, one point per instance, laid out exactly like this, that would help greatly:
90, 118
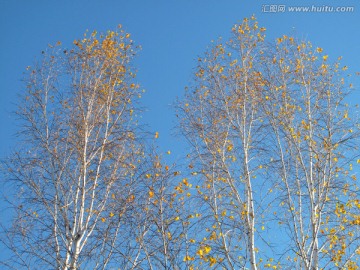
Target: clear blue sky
172, 33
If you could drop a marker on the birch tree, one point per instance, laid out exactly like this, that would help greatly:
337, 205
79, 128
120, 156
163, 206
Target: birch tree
315, 143
77, 155
162, 232
274, 144
220, 118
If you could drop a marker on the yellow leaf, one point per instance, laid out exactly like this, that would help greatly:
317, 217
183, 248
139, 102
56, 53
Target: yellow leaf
207, 249
103, 219
131, 198
111, 214
151, 194
319, 50
188, 258
233, 62
325, 57
212, 261
168, 152
156, 135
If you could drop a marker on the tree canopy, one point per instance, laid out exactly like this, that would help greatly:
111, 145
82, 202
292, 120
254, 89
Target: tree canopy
269, 179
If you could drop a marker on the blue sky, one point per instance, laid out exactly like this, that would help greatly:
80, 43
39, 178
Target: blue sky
172, 33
